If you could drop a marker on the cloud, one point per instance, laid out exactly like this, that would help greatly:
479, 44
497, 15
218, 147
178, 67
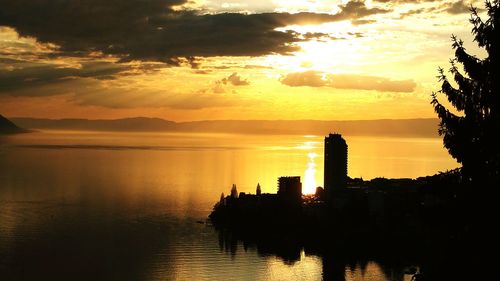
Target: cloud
362, 21
406, 1
154, 99
235, 80
358, 9
253, 66
17, 74
319, 36
458, 7
412, 12
154, 31
347, 81
252, 6
85, 92
432, 6
452, 7
308, 78
361, 82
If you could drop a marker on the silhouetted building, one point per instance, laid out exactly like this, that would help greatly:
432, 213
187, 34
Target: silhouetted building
290, 190
335, 164
234, 191
320, 193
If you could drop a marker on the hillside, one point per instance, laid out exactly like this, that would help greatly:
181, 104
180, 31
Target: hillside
8, 127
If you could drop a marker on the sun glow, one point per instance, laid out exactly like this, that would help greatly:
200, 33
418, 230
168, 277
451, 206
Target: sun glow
334, 46
308, 145
310, 174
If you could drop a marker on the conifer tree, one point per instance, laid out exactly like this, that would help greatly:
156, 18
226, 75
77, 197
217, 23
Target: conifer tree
472, 132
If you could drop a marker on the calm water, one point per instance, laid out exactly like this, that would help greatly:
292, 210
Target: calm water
123, 206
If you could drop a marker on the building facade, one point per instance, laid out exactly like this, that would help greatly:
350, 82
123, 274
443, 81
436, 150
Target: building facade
290, 190
335, 173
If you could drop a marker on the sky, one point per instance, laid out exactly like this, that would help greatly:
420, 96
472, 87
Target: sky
186, 60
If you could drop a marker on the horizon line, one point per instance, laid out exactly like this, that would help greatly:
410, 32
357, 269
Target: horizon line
202, 120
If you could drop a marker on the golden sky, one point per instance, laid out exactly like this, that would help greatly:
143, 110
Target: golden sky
194, 60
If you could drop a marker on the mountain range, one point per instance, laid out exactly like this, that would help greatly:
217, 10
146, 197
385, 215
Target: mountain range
383, 127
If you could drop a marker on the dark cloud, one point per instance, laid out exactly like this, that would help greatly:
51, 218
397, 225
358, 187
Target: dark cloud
420, 11
235, 80
319, 36
458, 7
220, 86
15, 74
150, 30
362, 21
412, 12
347, 81
357, 9
452, 7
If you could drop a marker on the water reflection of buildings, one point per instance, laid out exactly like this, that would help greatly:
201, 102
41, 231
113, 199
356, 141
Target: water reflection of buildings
339, 265
378, 218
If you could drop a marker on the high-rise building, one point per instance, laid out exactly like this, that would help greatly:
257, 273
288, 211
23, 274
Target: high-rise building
335, 164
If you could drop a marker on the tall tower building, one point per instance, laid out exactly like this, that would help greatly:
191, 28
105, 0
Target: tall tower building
335, 164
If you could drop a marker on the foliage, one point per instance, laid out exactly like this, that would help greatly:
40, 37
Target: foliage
472, 134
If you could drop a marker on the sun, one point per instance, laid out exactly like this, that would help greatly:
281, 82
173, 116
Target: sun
326, 47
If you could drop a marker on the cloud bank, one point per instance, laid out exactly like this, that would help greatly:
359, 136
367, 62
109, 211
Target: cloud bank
347, 81
154, 30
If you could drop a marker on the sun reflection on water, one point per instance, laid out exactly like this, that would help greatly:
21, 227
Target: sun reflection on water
310, 174
308, 145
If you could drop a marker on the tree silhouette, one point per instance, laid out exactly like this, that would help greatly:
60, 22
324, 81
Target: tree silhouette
472, 134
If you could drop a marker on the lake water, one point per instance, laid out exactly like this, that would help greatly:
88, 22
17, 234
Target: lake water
127, 206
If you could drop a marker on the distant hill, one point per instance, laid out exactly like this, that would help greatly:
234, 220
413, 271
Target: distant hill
7, 127
386, 127
138, 124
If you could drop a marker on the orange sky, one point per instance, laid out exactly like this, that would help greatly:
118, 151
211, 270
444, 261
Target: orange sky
193, 60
